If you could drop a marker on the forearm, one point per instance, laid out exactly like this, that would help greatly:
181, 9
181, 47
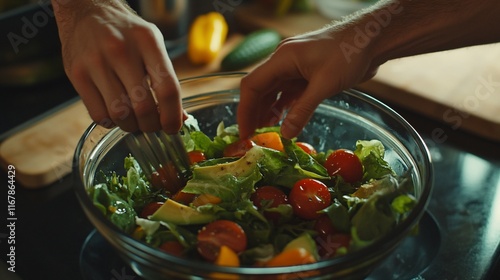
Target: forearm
399, 28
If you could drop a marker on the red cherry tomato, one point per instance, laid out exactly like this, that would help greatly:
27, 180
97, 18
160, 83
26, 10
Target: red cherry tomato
273, 196
346, 164
324, 226
196, 156
172, 247
329, 244
306, 147
307, 197
167, 178
238, 148
149, 209
217, 233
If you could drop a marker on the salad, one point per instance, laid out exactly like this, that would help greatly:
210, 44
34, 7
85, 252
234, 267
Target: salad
265, 201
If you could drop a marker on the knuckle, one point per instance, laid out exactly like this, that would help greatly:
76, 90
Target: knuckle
145, 33
76, 72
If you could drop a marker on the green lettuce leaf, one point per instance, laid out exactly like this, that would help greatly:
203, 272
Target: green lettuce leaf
371, 153
303, 159
339, 215
375, 218
116, 209
279, 170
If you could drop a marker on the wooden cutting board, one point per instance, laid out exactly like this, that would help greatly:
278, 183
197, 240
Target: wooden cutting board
460, 88
42, 153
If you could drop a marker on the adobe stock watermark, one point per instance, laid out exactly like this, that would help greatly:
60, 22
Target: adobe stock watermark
455, 117
11, 220
362, 36
30, 27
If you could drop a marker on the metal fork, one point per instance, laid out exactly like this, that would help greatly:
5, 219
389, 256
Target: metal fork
154, 150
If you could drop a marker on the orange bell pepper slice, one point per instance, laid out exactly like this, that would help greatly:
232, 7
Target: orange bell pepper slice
270, 140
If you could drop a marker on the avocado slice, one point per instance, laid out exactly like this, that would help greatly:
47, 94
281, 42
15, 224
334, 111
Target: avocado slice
232, 181
304, 241
179, 214
242, 167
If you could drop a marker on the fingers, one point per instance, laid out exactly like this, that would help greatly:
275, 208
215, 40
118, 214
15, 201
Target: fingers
115, 97
132, 74
303, 108
259, 91
164, 83
254, 105
116, 81
298, 94
294, 80
91, 98
291, 91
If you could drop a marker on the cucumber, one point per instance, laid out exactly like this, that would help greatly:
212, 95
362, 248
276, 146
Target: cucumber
255, 47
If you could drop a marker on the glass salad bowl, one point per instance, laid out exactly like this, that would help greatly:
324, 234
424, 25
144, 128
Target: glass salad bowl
338, 122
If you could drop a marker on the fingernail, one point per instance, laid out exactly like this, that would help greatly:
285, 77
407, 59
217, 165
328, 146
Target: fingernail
106, 123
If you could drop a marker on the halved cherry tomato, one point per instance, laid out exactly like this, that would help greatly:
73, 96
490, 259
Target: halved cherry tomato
324, 226
196, 156
238, 148
217, 233
270, 140
328, 245
167, 178
271, 195
345, 163
172, 247
308, 196
149, 209
306, 147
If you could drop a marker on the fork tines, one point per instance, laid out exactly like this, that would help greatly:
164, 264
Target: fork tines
154, 150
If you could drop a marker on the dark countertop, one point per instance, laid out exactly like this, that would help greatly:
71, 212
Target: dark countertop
51, 228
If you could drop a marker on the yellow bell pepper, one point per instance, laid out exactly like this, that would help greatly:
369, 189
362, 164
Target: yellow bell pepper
283, 6
207, 35
227, 257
